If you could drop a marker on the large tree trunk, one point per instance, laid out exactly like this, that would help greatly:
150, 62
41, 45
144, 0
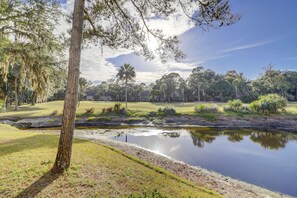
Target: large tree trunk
126, 93
16, 93
68, 120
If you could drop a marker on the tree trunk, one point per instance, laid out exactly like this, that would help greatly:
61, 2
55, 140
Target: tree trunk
236, 92
16, 93
126, 93
68, 120
183, 95
33, 102
5, 102
203, 93
198, 93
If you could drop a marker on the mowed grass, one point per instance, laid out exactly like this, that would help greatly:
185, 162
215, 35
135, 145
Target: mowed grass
45, 109
96, 170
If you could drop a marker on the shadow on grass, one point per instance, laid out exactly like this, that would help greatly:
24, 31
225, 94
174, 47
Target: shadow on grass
32, 142
34, 189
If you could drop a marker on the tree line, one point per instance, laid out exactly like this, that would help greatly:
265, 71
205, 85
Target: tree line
201, 85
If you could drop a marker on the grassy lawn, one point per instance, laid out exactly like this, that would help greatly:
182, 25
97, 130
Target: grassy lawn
96, 170
47, 108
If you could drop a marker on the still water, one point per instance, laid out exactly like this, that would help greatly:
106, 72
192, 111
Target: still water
267, 159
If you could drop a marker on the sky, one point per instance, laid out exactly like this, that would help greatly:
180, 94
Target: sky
266, 34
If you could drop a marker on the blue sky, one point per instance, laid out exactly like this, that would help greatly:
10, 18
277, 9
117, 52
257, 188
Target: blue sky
266, 33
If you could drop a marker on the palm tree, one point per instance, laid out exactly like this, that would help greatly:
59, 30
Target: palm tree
126, 73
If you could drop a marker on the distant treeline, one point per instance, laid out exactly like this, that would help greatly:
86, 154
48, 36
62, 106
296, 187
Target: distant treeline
201, 85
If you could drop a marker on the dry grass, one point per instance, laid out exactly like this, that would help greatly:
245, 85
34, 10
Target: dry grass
96, 170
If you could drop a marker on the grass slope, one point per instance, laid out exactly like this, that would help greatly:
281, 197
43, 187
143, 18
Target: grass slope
96, 170
45, 109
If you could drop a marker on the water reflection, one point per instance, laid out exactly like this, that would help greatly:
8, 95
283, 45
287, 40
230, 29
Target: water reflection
266, 159
268, 140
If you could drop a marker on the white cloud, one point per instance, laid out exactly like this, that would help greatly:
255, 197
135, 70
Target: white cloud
96, 67
243, 47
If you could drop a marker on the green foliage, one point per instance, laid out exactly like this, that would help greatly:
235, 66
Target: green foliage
236, 104
117, 106
154, 194
166, 111
268, 104
206, 108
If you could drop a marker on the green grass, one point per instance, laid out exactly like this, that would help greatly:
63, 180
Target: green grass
96, 170
138, 108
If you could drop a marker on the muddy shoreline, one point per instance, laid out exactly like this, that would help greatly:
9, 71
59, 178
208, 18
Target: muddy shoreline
275, 123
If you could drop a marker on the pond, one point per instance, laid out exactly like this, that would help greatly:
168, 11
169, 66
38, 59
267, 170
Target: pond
267, 159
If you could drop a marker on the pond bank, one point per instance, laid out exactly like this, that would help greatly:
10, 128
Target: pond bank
269, 123
226, 186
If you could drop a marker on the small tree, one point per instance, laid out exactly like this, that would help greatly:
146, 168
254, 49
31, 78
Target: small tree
126, 73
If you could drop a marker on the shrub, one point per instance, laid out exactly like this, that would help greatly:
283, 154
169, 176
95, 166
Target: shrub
169, 111
269, 104
90, 111
235, 104
206, 108
117, 106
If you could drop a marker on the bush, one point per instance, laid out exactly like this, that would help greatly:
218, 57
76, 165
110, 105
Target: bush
235, 104
269, 104
169, 111
206, 108
90, 111
117, 106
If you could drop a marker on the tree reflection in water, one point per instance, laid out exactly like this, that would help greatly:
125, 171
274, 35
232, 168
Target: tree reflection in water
268, 140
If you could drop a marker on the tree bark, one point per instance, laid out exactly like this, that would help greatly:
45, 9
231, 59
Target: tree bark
126, 93
5, 102
68, 120
33, 102
16, 93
